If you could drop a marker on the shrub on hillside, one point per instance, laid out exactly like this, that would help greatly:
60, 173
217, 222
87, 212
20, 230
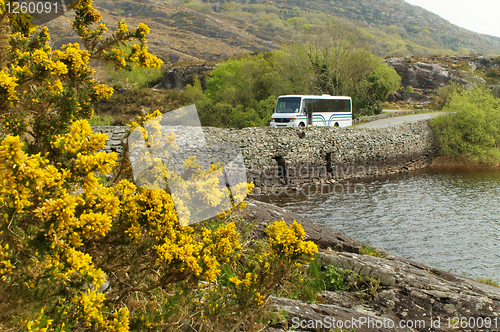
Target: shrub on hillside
472, 127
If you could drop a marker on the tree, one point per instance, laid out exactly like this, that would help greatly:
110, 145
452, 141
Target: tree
237, 82
339, 64
238, 94
375, 88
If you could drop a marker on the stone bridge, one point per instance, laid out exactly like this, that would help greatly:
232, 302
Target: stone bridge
277, 158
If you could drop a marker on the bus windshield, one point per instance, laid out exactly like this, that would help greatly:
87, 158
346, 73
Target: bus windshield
288, 105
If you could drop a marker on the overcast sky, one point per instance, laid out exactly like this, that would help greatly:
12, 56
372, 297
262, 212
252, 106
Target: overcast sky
481, 16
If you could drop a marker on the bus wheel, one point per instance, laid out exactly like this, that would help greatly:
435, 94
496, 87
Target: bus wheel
301, 124
336, 124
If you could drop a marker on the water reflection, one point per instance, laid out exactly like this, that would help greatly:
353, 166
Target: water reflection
449, 220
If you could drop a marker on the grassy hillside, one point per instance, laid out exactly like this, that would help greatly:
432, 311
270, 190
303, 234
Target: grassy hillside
194, 30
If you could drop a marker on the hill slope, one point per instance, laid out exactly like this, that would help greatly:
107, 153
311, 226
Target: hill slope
214, 30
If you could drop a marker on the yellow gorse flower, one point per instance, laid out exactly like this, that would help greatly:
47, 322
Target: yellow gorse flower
122, 27
9, 84
289, 241
103, 91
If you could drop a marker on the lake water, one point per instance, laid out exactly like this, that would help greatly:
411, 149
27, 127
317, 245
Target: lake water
448, 220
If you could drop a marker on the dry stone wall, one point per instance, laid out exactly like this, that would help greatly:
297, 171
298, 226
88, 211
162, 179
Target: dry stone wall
291, 157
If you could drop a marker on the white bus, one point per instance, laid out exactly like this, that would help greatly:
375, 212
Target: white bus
301, 111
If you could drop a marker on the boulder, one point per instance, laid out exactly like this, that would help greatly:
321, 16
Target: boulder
178, 77
421, 75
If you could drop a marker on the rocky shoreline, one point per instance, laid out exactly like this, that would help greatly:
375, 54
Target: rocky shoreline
411, 293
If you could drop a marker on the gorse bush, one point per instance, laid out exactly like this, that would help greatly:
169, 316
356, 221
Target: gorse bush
472, 128
84, 249
79, 254
42, 90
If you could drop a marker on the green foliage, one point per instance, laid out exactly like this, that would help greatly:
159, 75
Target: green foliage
237, 94
104, 120
488, 282
306, 284
136, 78
237, 82
472, 128
369, 250
256, 114
338, 279
193, 92
444, 93
370, 93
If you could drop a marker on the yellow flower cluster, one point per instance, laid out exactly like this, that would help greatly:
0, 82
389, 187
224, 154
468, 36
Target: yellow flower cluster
248, 288
90, 304
227, 242
55, 206
103, 91
81, 139
56, 87
38, 325
87, 10
74, 58
180, 252
145, 59
5, 263
142, 30
82, 263
8, 83
23, 178
247, 282
122, 27
183, 252
118, 56
289, 241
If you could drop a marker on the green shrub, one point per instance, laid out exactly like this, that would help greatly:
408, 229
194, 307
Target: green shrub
338, 279
369, 250
104, 120
307, 284
444, 94
488, 282
472, 128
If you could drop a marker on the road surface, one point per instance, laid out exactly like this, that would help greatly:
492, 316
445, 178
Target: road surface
389, 122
